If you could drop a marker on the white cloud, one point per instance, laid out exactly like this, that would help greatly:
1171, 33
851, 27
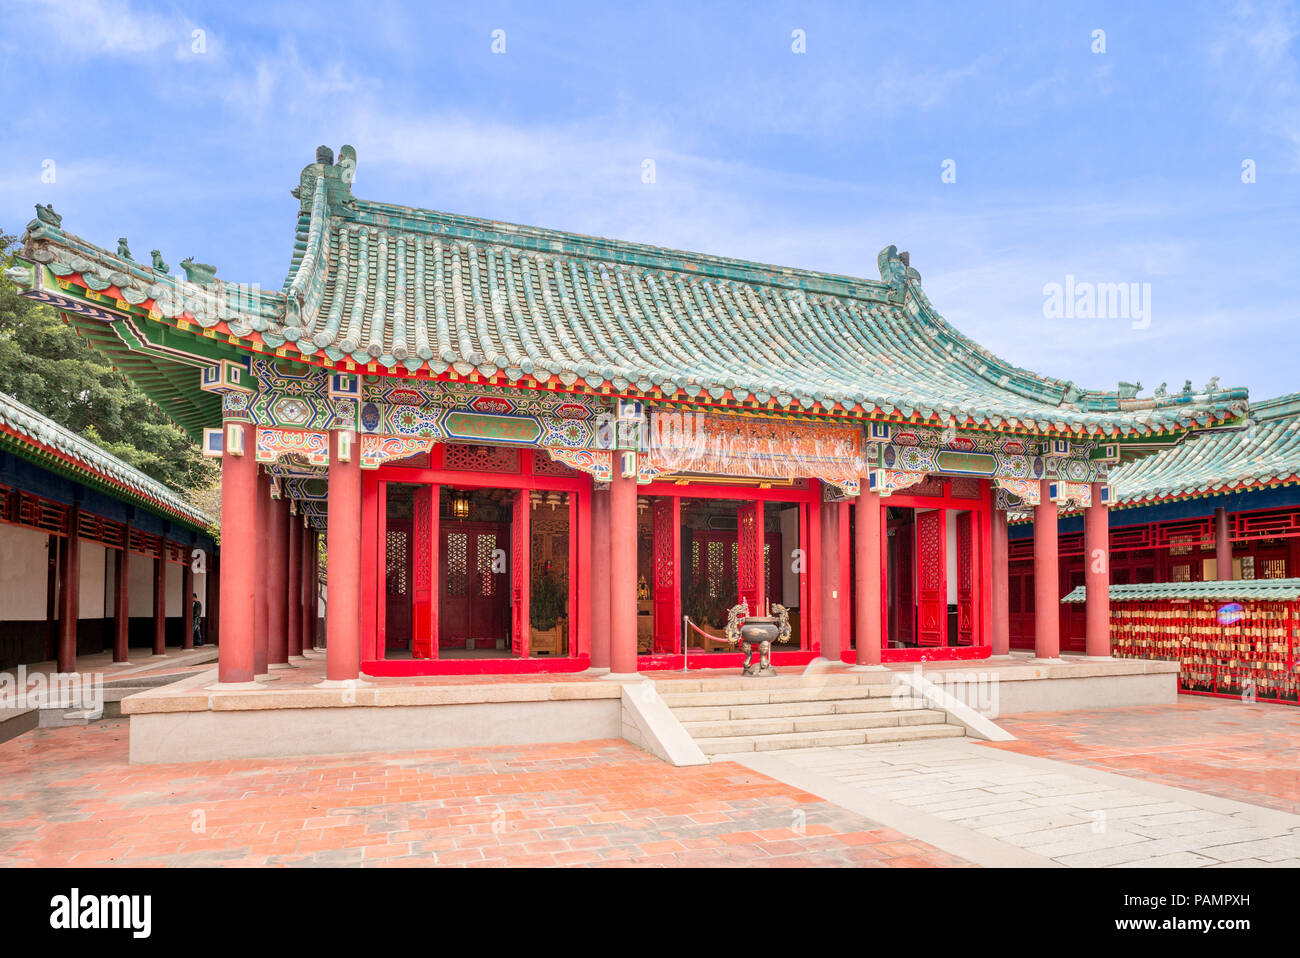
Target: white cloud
110, 28
1254, 60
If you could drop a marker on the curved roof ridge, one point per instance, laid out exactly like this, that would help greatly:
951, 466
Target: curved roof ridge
1279, 407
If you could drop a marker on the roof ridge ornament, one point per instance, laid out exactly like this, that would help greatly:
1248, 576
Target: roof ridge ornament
204, 274
895, 270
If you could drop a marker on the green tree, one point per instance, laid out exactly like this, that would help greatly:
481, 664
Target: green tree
44, 364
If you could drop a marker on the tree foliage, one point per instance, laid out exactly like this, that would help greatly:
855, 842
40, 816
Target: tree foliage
44, 364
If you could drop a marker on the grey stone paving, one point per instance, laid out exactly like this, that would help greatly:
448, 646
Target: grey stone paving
1000, 808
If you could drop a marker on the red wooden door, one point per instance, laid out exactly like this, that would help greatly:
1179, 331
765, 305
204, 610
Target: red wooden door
424, 625
931, 579
397, 584
521, 576
472, 600
750, 585
965, 581
902, 581
667, 593
454, 598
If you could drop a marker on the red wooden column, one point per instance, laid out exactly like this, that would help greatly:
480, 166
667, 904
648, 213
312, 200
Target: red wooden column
212, 588
1096, 575
870, 579
599, 553
293, 593
122, 597
343, 623
277, 583
69, 593
187, 603
622, 572
236, 655
999, 551
1222, 545
160, 599
829, 574
1047, 602
261, 510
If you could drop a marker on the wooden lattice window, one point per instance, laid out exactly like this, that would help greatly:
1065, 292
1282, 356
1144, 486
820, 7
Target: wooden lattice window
457, 563
544, 465
1182, 573
487, 583
965, 488
397, 543
477, 458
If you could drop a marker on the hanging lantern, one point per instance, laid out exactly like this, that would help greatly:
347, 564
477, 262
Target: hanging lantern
459, 505
553, 499
642, 504
534, 499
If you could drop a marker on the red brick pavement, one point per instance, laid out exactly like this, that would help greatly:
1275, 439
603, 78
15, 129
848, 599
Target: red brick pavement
1223, 747
71, 798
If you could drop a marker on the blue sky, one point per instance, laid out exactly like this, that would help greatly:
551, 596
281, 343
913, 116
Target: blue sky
1115, 167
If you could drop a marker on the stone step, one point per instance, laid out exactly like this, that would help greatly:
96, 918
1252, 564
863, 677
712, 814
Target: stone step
718, 713
776, 695
726, 744
813, 723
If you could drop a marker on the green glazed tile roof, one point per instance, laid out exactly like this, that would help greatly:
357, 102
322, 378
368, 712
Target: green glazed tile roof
1264, 451
416, 290
1259, 590
43, 441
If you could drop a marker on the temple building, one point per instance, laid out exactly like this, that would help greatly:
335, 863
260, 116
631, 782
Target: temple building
94, 554
1222, 504
535, 451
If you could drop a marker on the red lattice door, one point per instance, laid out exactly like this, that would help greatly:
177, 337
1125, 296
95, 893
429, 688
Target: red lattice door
397, 584
520, 574
749, 561
931, 579
667, 594
965, 581
424, 606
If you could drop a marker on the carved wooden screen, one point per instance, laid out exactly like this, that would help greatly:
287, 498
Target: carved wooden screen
520, 573
750, 564
425, 598
667, 594
965, 581
397, 581
931, 579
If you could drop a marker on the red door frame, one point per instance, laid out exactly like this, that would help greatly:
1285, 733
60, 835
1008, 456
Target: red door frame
372, 507
665, 576
981, 510
809, 543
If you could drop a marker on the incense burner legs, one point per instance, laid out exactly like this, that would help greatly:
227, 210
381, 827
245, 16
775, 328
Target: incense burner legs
758, 632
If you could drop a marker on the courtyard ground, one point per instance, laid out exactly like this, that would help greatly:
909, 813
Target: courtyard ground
1171, 784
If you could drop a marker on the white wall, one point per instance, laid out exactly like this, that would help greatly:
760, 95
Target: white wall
175, 580
90, 600
141, 583
23, 565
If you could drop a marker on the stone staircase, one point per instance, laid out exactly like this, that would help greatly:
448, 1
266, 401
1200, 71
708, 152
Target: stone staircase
757, 715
